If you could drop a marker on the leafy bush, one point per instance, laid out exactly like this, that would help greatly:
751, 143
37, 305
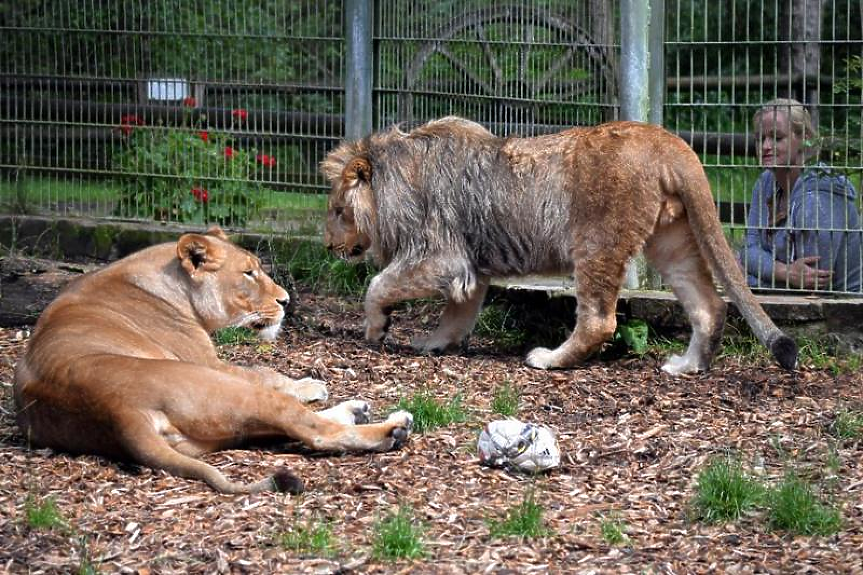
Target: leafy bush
187, 174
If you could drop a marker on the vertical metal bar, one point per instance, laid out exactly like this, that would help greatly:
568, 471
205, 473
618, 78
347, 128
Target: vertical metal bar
358, 68
634, 95
656, 75
634, 23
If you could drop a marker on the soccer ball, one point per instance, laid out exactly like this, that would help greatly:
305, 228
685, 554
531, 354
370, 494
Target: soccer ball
523, 446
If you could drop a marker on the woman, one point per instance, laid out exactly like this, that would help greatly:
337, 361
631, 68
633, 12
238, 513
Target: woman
803, 229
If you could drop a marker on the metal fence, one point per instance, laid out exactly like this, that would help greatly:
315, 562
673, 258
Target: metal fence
220, 111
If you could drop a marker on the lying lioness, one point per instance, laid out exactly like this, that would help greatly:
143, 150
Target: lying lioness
121, 364
448, 206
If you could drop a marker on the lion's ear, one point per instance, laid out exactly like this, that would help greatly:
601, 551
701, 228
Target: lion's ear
218, 232
199, 253
358, 170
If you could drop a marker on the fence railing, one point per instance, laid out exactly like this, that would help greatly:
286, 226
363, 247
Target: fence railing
221, 111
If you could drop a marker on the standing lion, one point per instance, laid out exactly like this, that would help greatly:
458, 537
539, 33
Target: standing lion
449, 205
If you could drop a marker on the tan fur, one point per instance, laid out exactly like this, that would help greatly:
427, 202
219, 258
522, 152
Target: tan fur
448, 206
121, 364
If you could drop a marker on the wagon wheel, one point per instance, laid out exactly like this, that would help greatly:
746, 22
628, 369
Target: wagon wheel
519, 59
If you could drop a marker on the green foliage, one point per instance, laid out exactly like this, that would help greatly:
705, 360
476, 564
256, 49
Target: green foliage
743, 348
184, 174
398, 536
505, 400
633, 334
312, 538
724, 492
235, 336
310, 264
430, 413
522, 520
43, 514
613, 531
86, 566
793, 506
848, 425
498, 323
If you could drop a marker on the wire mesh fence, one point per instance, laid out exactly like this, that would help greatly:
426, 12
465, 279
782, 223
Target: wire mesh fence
724, 62
220, 111
518, 68
186, 112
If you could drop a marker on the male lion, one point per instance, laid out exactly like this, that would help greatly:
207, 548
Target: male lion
448, 205
121, 365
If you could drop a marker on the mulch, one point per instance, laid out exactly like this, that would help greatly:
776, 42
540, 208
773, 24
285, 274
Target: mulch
632, 439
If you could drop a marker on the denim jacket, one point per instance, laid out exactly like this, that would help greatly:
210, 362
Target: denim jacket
822, 221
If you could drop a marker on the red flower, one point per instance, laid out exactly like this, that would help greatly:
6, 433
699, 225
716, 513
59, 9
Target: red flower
240, 114
265, 160
128, 121
190, 102
229, 152
204, 136
201, 194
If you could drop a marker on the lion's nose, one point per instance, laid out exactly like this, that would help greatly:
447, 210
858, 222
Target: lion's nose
284, 301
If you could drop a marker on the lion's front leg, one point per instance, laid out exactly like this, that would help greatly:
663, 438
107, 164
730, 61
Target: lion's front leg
456, 321
306, 389
396, 283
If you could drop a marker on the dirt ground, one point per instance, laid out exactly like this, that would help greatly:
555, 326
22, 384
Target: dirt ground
632, 438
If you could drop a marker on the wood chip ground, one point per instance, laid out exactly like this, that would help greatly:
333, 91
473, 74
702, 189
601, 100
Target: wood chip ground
633, 440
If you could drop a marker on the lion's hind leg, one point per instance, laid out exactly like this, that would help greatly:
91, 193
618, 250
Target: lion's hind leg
149, 447
598, 280
674, 252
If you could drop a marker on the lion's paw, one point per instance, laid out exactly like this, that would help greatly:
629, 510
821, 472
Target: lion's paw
351, 412
307, 389
680, 364
403, 423
541, 358
432, 345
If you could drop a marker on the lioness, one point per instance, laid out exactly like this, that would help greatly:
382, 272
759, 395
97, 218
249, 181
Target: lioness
121, 365
448, 206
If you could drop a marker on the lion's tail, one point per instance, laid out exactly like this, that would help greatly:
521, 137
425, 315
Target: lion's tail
701, 212
152, 450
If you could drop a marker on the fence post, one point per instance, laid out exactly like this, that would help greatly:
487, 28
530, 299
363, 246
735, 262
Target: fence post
634, 25
359, 60
656, 75
634, 93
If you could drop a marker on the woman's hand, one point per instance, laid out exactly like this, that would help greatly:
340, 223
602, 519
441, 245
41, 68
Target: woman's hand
802, 274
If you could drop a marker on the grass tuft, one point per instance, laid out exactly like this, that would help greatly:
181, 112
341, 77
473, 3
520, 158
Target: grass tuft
315, 537
613, 531
522, 520
505, 400
794, 507
498, 323
398, 536
724, 492
235, 336
310, 264
430, 413
848, 425
43, 514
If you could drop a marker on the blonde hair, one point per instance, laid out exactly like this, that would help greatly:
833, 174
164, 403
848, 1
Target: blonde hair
799, 119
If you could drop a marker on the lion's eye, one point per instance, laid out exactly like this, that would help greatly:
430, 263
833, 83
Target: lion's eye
250, 274
339, 211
